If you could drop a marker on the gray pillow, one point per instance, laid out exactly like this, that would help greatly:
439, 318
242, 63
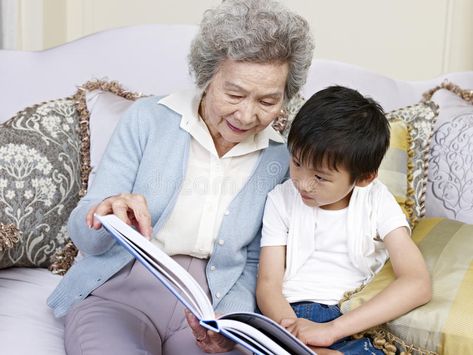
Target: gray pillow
39, 179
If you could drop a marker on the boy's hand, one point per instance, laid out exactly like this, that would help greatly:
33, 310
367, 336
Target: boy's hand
310, 333
325, 351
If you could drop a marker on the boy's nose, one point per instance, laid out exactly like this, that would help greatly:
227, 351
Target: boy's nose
308, 186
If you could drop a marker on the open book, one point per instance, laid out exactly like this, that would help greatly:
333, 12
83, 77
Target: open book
255, 332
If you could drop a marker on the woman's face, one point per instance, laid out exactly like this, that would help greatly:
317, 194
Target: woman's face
242, 99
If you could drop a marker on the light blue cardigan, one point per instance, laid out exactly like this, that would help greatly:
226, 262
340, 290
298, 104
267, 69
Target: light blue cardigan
148, 155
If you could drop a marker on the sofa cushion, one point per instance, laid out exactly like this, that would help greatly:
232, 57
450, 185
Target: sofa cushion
420, 119
444, 324
27, 324
450, 180
39, 179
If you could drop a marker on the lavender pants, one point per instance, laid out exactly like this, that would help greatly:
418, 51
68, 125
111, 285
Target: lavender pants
133, 314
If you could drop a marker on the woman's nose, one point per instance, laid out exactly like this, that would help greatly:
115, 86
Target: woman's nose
246, 113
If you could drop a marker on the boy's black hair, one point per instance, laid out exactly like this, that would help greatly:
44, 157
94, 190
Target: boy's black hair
340, 127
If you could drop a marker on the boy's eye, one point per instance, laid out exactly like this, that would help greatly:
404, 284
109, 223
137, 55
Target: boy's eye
319, 178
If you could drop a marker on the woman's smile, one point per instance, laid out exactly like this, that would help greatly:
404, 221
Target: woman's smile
236, 129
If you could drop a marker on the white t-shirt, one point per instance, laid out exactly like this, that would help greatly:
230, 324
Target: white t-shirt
327, 270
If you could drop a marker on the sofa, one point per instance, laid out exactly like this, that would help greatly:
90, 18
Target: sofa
58, 109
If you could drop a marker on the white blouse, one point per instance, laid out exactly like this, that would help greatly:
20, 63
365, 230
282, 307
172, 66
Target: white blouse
210, 182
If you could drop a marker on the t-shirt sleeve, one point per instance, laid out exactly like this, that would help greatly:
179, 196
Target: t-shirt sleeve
275, 219
390, 215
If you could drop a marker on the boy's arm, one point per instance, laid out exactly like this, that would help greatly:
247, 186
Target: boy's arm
269, 295
410, 289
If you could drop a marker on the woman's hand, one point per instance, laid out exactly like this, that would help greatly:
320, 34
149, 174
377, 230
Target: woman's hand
130, 208
310, 333
206, 340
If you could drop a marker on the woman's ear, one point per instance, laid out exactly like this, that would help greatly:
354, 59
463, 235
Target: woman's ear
366, 179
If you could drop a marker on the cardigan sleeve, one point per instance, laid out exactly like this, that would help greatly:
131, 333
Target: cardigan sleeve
116, 174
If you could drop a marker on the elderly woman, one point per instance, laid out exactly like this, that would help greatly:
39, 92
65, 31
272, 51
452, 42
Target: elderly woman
191, 171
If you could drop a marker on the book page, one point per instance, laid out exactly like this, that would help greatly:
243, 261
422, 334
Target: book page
169, 272
253, 345
271, 330
236, 327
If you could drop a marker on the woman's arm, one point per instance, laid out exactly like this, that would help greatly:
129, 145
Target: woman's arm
116, 175
269, 295
411, 288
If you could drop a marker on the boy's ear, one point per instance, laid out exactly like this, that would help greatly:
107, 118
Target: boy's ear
366, 179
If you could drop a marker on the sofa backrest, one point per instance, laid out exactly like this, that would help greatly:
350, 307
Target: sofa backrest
152, 59
389, 92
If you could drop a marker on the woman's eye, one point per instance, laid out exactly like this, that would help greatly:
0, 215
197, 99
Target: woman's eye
235, 97
267, 103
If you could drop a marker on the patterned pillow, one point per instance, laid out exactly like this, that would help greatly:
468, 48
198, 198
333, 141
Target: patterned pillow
39, 179
450, 181
9, 236
282, 124
444, 324
420, 119
100, 105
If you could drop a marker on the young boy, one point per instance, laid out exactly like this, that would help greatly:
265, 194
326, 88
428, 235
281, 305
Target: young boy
330, 228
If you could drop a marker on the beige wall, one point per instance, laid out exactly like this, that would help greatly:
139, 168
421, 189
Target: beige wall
404, 39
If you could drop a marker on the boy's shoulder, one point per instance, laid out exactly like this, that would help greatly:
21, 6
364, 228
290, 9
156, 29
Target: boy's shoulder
378, 189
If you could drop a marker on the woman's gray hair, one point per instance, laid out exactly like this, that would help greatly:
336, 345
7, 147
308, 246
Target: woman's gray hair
261, 31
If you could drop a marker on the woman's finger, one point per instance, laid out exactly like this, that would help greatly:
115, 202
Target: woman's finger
220, 343
199, 333
120, 209
89, 219
102, 209
130, 208
140, 211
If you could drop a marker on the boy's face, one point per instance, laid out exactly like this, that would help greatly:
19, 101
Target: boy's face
322, 187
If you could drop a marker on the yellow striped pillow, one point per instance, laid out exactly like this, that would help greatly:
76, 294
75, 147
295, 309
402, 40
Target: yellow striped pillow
396, 169
444, 324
